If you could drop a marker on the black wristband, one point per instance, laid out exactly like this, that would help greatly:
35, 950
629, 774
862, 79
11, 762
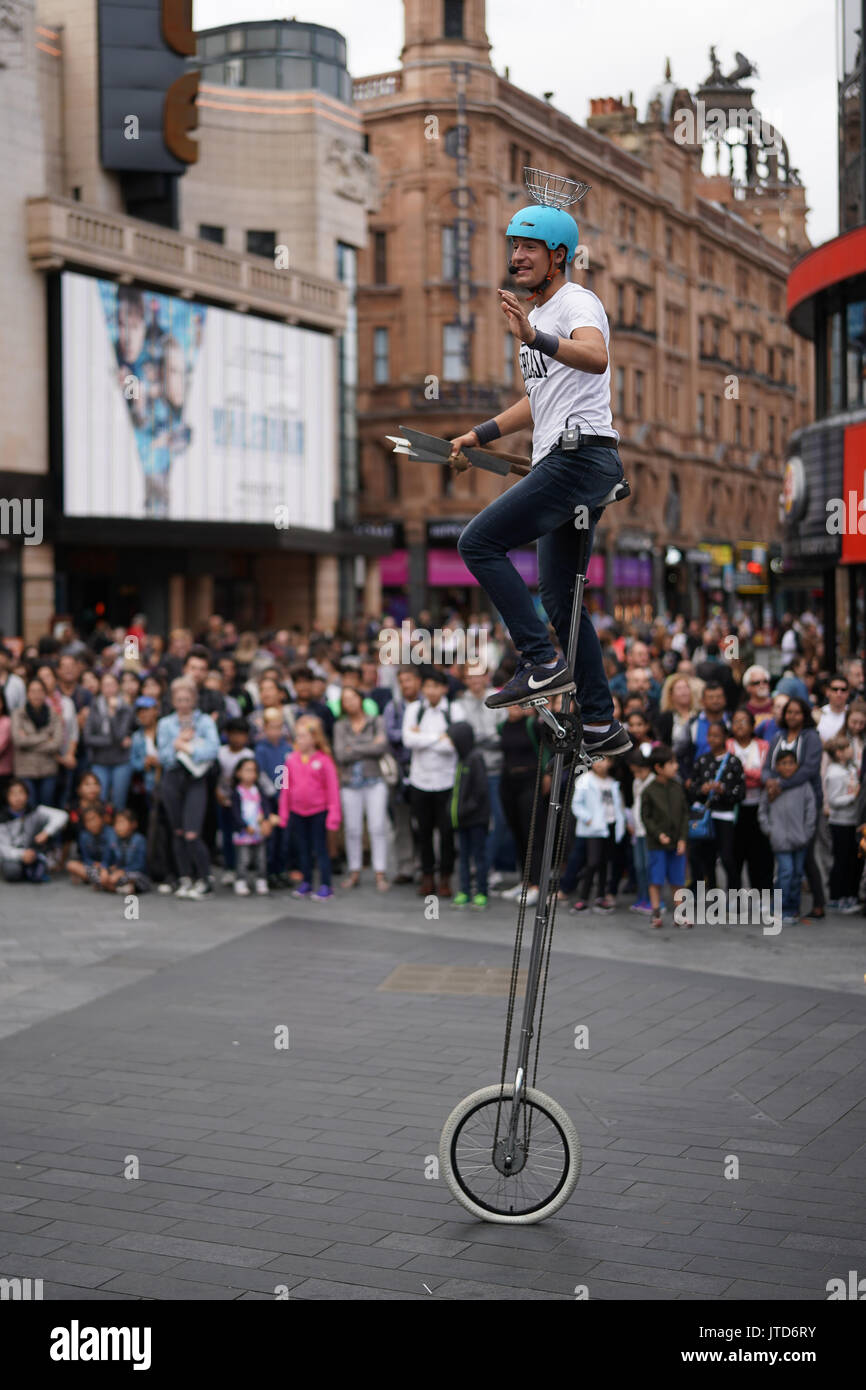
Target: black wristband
548, 343
489, 430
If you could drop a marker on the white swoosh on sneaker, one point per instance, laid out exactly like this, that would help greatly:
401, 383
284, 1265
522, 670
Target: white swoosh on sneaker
536, 685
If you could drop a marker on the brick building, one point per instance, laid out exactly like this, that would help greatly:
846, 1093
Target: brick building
277, 160
688, 242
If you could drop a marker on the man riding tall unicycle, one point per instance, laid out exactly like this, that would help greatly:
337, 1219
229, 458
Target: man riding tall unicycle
575, 463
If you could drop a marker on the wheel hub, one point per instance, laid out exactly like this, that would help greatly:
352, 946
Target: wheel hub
508, 1159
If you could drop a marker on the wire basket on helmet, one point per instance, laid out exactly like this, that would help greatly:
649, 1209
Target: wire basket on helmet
554, 190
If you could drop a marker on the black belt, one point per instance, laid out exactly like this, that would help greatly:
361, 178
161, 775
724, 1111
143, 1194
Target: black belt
600, 441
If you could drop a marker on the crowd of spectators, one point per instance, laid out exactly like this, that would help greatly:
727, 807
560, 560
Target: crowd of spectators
287, 760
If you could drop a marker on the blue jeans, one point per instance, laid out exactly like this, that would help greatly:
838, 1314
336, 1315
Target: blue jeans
472, 843
41, 790
227, 825
541, 507
641, 867
114, 783
311, 840
500, 841
789, 871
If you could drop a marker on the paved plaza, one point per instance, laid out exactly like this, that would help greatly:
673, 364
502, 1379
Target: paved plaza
155, 1047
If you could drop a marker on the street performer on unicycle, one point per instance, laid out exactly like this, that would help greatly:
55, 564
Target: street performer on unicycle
575, 464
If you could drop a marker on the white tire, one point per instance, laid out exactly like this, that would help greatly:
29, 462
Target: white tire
570, 1143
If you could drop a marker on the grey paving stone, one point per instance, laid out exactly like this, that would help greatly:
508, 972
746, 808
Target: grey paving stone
136, 1284
311, 1173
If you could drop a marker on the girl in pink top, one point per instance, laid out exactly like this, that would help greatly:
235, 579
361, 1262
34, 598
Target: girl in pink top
5, 741
310, 804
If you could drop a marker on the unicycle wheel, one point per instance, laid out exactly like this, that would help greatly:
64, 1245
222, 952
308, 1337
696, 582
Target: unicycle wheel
546, 1163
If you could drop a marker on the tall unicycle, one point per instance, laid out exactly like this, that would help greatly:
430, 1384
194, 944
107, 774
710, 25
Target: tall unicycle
509, 1153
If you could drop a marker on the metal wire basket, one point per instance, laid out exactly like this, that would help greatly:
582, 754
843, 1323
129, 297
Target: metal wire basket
554, 190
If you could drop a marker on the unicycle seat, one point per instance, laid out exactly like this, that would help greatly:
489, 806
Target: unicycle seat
618, 493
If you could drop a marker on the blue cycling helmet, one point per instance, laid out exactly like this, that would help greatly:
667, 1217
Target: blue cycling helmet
554, 226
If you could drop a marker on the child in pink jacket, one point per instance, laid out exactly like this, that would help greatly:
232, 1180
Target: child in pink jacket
310, 805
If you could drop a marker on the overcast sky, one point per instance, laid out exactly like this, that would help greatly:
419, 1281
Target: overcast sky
584, 48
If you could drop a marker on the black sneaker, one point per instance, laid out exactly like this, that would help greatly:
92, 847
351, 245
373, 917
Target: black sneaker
611, 744
529, 681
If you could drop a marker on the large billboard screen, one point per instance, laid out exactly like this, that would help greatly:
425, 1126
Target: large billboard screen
174, 410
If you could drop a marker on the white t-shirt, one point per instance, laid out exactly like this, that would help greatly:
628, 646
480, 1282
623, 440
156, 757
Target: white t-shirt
560, 396
830, 724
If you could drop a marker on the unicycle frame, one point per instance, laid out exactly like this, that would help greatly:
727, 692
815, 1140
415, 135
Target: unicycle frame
542, 913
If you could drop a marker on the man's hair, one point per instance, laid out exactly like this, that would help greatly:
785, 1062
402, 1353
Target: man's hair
303, 673
713, 685
17, 782
128, 813
201, 652
786, 753
237, 726
662, 753
97, 808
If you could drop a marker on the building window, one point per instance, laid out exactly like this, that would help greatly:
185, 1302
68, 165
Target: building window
620, 304
262, 244
669, 244
638, 395
296, 74
381, 356
742, 286
753, 426
716, 339
738, 423
392, 478
207, 232
234, 72
717, 418
771, 435
855, 349
454, 20
380, 259
638, 308
449, 253
260, 72
705, 263
453, 365
620, 391
514, 163
771, 362
775, 299
702, 413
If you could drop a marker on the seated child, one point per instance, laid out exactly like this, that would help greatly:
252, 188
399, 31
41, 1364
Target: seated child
125, 870
96, 846
24, 835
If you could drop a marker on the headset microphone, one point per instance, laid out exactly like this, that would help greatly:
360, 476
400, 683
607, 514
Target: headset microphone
512, 269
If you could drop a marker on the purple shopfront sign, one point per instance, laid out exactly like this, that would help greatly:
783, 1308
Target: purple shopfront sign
632, 572
445, 568
394, 569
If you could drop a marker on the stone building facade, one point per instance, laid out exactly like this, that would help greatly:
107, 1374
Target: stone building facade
690, 259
